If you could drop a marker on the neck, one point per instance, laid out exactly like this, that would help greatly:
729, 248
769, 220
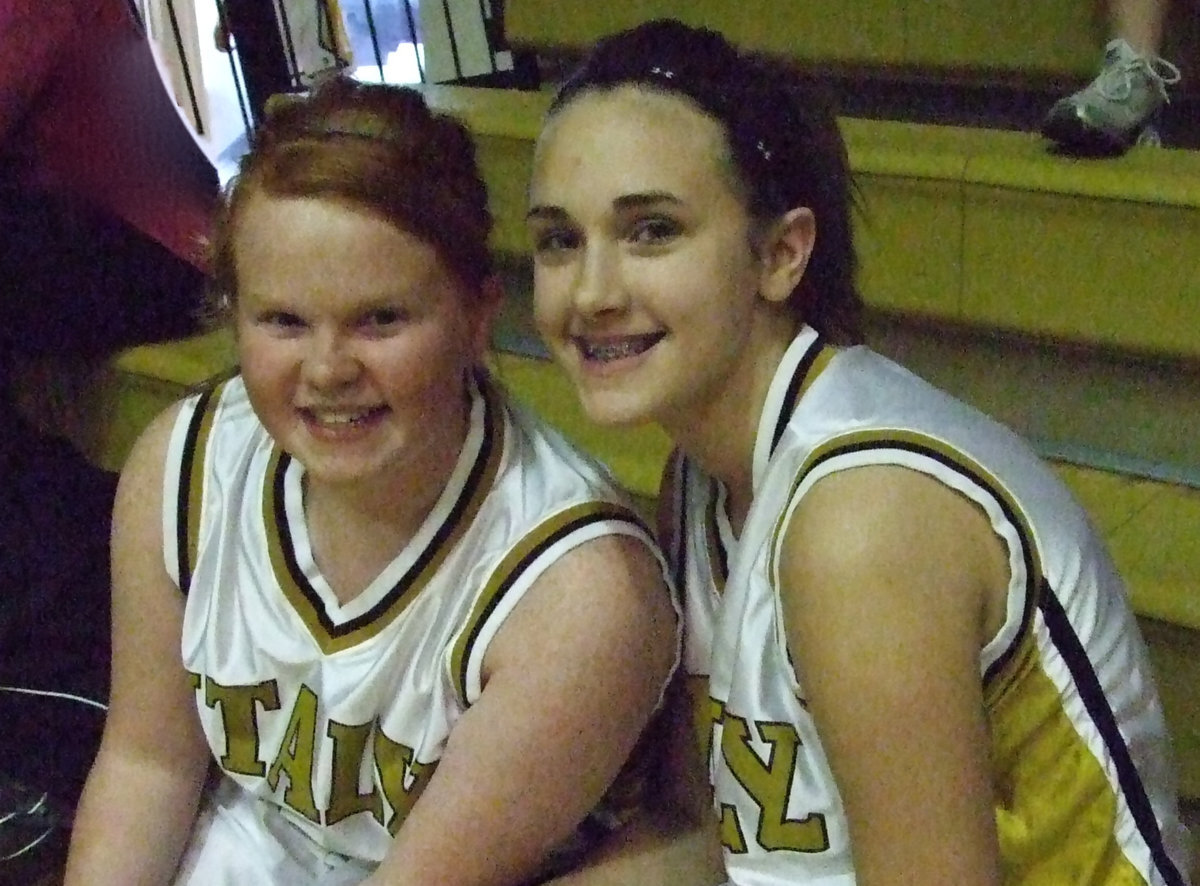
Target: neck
357, 528
720, 435
397, 501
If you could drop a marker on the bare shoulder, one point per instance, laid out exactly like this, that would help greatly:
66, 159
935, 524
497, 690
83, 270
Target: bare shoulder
570, 681
881, 562
627, 561
886, 581
613, 580
145, 462
137, 523
875, 523
606, 600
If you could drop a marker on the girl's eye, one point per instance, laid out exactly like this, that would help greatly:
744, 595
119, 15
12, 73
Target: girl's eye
653, 230
281, 320
383, 322
383, 317
555, 240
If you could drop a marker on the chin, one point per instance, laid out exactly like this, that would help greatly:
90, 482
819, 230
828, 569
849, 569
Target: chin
614, 412
323, 472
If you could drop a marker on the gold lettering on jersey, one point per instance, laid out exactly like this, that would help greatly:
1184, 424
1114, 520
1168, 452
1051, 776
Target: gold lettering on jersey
295, 757
769, 784
395, 763
716, 713
706, 712
239, 718
399, 777
732, 837
349, 749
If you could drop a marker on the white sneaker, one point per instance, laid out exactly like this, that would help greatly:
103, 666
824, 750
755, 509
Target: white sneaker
1118, 108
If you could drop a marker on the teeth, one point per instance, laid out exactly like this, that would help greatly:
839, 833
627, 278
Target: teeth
617, 349
340, 418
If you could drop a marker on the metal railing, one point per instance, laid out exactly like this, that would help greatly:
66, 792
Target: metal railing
282, 45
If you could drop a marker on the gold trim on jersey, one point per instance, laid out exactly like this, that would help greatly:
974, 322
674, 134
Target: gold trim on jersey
815, 360
675, 546
1050, 785
1066, 648
304, 598
812, 363
513, 565
718, 557
1000, 673
190, 495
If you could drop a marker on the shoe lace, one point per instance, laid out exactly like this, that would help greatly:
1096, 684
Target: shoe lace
1116, 82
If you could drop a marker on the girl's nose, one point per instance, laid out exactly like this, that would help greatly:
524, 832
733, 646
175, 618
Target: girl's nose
598, 286
331, 362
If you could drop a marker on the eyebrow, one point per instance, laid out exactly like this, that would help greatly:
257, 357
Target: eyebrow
622, 204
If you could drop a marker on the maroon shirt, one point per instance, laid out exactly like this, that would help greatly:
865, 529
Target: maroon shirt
83, 112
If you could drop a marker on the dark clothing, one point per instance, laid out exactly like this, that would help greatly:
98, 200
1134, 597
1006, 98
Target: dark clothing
104, 204
54, 608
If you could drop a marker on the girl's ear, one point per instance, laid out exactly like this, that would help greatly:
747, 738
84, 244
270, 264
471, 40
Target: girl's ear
785, 249
484, 314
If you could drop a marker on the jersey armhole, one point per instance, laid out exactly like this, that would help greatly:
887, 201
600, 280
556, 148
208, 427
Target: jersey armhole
520, 567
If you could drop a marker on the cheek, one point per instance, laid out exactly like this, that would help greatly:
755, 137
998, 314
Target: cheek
426, 362
549, 297
717, 285
262, 363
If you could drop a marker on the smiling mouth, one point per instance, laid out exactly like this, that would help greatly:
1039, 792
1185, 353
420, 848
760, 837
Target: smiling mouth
617, 348
340, 418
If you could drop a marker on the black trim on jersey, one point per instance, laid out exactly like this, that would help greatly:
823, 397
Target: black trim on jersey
183, 509
712, 531
679, 549
1066, 641
1031, 578
606, 513
447, 528
792, 396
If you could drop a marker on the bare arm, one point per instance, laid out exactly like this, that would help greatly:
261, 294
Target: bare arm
654, 851
676, 842
141, 795
571, 679
887, 577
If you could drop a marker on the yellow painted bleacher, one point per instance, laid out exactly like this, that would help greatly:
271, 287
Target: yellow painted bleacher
956, 34
971, 226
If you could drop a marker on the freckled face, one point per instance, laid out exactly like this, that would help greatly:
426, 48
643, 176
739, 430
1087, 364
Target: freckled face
353, 339
645, 281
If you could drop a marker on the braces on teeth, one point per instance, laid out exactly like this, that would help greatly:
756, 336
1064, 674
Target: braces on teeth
615, 350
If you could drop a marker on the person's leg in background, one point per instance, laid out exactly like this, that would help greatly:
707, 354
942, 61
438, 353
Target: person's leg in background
1119, 107
1139, 23
104, 198
76, 283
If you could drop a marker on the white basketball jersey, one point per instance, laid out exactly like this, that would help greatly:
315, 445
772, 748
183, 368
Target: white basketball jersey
1067, 684
336, 714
